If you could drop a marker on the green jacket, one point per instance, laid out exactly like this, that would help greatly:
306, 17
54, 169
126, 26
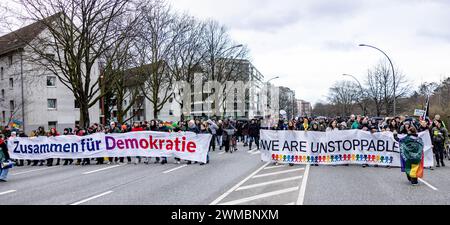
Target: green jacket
355, 125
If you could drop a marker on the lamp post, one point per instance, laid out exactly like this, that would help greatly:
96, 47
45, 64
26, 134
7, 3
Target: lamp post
393, 73
267, 85
360, 88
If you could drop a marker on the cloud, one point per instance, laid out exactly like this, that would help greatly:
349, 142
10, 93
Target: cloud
436, 35
309, 43
339, 45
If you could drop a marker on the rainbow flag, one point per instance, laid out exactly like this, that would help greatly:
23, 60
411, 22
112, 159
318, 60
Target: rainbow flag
412, 157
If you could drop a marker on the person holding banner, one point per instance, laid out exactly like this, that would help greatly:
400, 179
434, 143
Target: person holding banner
53, 133
412, 155
333, 126
5, 162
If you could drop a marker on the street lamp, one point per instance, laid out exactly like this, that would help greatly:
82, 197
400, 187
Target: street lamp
393, 73
272, 79
360, 87
267, 85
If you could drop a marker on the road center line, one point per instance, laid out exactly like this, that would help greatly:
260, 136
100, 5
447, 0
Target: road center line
92, 198
168, 171
30, 171
429, 185
7, 192
268, 183
103, 169
265, 195
237, 185
276, 173
301, 195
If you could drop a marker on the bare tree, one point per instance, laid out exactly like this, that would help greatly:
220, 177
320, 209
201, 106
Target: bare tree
343, 95
79, 32
154, 47
224, 61
187, 55
380, 84
123, 83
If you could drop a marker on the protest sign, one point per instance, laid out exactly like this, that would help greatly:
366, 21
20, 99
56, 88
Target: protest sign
336, 147
187, 146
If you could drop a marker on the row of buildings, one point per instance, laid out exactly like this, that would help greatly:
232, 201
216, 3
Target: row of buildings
31, 98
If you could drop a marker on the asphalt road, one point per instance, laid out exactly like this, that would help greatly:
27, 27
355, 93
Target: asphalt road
230, 179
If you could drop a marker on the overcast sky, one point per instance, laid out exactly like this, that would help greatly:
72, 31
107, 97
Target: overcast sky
311, 43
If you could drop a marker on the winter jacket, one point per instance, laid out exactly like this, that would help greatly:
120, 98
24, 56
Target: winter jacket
4, 154
254, 130
213, 127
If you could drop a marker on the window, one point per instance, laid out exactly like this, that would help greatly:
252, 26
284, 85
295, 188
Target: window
10, 60
3, 94
2, 76
50, 56
51, 104
51, 81
3, 116
52, 124
11, 106
77, 106
11, 83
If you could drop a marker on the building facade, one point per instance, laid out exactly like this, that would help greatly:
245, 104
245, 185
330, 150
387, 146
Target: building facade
304, 108
245, 94
30, 96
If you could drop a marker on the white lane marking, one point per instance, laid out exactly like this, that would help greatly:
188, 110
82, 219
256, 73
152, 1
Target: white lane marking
237, 185
7, 192
429, 185
168, 171
274, 167
301, 195
253, 150
276, 173
268, 183
92, 198
103, 169
255, 153
292, 203
221, 153
30, 171
265, 195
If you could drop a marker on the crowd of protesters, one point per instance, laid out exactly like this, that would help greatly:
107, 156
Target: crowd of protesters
227, 133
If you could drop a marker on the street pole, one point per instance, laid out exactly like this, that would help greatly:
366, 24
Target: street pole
23, 99
268, 85
393, 73
360, 88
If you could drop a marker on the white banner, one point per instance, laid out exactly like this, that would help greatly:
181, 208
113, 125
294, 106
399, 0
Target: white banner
186, 146
336, 148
